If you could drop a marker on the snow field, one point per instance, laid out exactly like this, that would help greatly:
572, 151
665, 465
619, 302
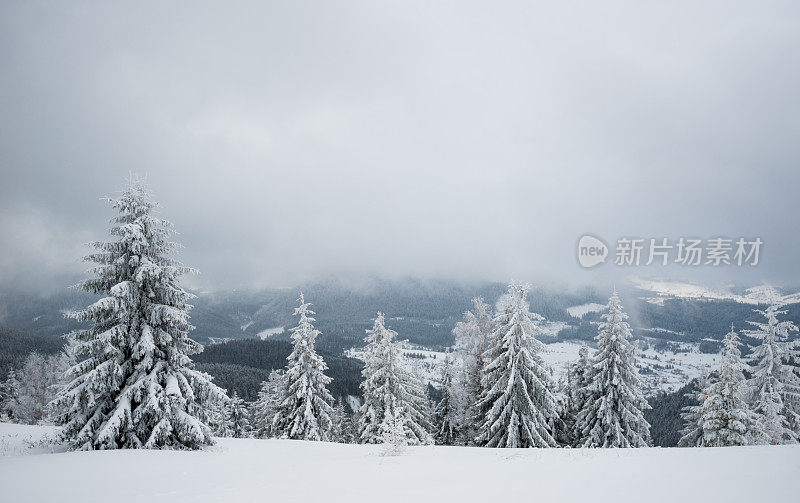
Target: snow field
284, 471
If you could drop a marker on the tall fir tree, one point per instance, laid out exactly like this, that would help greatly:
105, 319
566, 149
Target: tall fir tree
577, 393
342, 431
721, 417
472, 340
136, 386
216, 417
612, 415
394, 432
238, 417
263, 410
519, 400
386, 383
448, 415
692, 432
775, 386
305, 408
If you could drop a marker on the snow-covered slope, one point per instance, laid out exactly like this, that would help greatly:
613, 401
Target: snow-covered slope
666, 289
584, 309
661, 370
243, 470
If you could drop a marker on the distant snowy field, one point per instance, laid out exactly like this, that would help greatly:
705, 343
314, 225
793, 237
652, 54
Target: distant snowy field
243, 470
663, 370
584, 309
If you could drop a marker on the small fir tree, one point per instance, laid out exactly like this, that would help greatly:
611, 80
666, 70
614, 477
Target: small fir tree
612, 415
304, 410
263, 410
775, 386
386, 382
520, 402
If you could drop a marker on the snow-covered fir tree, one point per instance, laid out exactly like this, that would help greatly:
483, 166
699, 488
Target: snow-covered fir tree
263, 410
775, 386
216, 417
722, 417
342, 430
448, 415
519, 400
136, 386
394, 433
692, 432
612, 415
386, 382
577, 392
7, 395
30, 388
305, 407
238, 417
472, 339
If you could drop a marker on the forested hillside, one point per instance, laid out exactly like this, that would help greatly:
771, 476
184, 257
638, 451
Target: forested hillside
242, 365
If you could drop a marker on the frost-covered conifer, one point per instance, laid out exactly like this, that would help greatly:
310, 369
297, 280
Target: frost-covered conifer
519, 400
216, 417
775, 386
721, 417
612, 416
394, 434
472, 340
726, 416
30, 389
304, 410
386, 382
577, 393
341, 429
448, 415
263, 410
238, 417
136, 386
692, 432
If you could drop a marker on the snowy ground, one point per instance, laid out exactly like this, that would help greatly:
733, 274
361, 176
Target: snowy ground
584, 309
18, 439
675, 289
270, 332
282, 470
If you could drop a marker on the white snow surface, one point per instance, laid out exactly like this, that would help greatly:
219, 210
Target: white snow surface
660, 370
666, 289
269, 332
18, 439
584, 309
237, 470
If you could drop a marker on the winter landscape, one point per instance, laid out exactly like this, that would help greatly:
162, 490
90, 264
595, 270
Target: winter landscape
399, 251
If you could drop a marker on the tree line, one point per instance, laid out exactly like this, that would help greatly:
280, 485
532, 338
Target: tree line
131, 382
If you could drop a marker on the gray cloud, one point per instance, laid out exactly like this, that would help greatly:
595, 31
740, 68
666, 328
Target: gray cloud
288, 141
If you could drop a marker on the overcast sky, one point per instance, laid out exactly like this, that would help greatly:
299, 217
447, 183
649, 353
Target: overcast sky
293, 140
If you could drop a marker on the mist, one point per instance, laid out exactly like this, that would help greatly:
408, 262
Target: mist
425, 139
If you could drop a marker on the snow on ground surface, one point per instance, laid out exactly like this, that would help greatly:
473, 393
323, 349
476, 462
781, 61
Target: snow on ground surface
219, 340
17, 439
240, 470
661, 370
584, 309
666, 289
266, 334
551, 328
